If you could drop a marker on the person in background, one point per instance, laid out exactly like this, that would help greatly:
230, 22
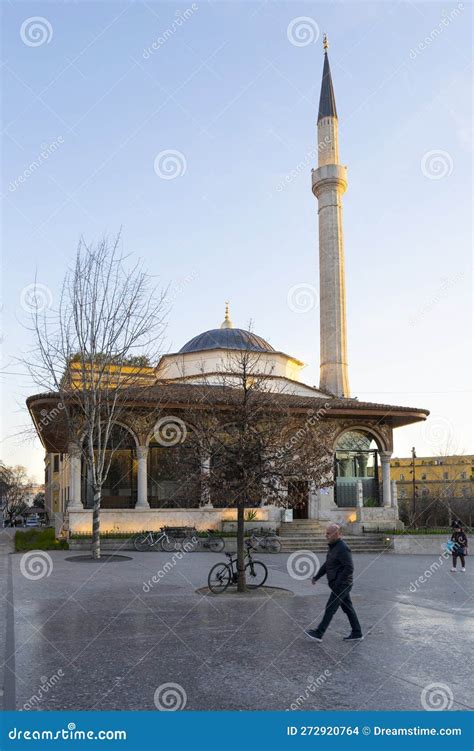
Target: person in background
459, 550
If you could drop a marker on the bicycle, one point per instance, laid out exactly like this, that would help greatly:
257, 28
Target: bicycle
148, 540
223, 574
211, 542
265, 541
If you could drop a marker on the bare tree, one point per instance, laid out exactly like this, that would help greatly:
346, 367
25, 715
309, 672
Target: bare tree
257, 441
14, 485
95, 350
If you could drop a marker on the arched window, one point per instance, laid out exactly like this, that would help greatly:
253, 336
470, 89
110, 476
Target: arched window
356, 460
173, 476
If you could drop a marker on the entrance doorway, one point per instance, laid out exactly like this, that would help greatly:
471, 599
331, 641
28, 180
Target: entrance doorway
298, 498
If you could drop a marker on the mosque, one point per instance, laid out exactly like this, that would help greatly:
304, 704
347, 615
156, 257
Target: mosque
146, 489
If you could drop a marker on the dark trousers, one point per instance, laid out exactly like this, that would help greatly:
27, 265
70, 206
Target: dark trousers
455, 559
343, 600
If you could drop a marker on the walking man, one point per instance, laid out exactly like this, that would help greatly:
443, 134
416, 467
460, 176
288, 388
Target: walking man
339, 569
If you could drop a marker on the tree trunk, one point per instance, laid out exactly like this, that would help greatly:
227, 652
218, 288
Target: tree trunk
96, 524
240, 549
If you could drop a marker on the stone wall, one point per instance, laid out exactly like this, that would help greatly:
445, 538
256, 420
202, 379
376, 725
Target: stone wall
137, 520
419, 544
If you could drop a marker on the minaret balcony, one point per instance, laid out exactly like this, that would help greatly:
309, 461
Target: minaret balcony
329, 176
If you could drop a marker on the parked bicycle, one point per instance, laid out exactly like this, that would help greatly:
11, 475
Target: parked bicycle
148, 540
266, 541
223, 574
210, 542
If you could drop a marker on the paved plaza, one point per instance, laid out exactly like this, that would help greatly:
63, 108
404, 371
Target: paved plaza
105, 636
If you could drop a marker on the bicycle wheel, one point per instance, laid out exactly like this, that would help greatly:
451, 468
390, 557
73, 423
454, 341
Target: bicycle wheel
142, 542
189, 544
216, 544
256, 574
273, 544
219, 578
168, 544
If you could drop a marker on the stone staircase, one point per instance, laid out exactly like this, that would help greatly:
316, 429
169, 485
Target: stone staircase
308, 534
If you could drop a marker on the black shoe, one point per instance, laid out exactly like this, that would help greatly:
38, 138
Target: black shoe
353, 637
313, 634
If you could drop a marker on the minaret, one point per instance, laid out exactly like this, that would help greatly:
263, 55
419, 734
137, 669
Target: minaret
329, 184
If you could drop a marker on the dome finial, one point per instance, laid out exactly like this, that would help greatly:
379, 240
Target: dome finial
325, 43
227, 323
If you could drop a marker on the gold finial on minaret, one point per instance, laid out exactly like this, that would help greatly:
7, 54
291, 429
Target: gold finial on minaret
325, 43
227, 323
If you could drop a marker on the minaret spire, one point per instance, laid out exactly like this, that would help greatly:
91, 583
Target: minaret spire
329, 185
327, 100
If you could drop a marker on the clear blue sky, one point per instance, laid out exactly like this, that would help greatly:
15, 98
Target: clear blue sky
230, 92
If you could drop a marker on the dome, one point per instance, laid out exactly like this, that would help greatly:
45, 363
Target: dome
227, 338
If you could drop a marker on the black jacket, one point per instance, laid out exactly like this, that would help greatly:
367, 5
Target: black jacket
339, 567
460, 542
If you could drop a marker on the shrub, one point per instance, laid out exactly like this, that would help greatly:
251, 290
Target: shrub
38, 539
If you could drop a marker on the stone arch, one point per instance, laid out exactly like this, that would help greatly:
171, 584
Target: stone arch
377, 435
357, 465
121, 424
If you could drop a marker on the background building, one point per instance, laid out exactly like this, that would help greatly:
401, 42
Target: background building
435, 488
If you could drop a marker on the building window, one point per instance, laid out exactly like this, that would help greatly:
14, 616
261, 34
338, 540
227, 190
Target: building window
463, 476
445, 475
56, 463
465, 491
402, 493
425, 491
402, 477
423, 476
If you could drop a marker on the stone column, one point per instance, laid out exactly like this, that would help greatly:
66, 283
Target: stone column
142, 478
362, 460
313, 501
75, 456
385, 461
205, 477
360, 494
345, 465
394, 495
